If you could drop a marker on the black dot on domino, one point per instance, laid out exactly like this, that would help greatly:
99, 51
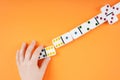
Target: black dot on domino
80, 26
42, 50
105, 13
113, 7
107, 5
100, 18
111, 22
40, 53
43, 55
88, 22
104, 19
96, 24
112, 14
97, 17
88, 28
106, 9
75, 32
111, 17
66, 37
117, 8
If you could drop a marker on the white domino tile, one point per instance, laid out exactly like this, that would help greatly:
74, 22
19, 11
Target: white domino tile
75, 33
50, 51
101, 18
58, 42
42, 54
67, 37
84, 28
92, 23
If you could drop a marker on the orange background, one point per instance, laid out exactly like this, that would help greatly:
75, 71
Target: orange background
94, 56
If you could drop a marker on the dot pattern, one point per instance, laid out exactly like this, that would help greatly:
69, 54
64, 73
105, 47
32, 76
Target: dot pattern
50, 51
58, 42
42, 54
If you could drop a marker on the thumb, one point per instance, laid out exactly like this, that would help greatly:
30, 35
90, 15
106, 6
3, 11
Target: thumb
44, 65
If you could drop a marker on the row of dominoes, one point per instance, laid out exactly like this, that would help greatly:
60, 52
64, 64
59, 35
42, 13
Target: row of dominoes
108, 14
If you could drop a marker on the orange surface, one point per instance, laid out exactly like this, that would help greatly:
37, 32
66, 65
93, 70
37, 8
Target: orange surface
94, 56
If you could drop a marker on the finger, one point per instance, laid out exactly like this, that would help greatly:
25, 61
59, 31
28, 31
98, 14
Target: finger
36, 54
29, 50
22, 52
17, 58
44, 65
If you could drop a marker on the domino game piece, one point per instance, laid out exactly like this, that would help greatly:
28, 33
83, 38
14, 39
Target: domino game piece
101, 18
50, 51
84, 27
92, 23
116, 9
67, 37
108, 14
75, 33
58, 42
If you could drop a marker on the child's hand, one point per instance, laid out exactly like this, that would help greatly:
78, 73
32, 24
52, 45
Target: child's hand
27, 62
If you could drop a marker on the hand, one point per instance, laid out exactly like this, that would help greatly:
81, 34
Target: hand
27, 62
